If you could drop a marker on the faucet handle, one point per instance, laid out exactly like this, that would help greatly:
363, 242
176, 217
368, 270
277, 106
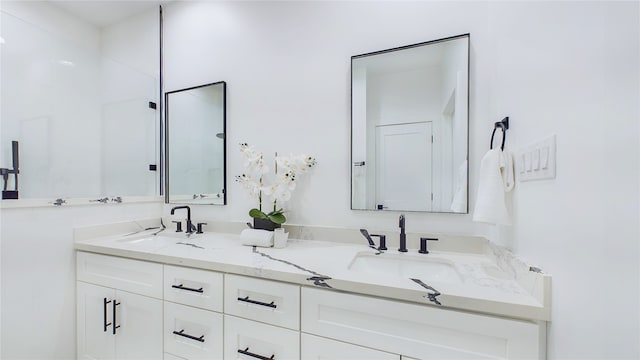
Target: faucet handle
199, 230
178, 225
383, 242
423, 244
365, 233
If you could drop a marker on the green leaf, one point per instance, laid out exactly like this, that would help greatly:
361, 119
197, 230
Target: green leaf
255, 213
277, 218
276, 212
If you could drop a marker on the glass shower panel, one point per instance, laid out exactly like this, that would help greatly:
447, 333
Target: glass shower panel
128, 131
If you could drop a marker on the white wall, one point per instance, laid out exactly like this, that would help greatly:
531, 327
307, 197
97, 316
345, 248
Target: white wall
37, 261
404, 96
287, 65
55, 21
134, 41
569, 68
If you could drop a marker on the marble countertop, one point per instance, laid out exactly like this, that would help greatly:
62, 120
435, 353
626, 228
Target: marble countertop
492, 282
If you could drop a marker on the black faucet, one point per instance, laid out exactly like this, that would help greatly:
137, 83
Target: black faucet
190, 227
403, 236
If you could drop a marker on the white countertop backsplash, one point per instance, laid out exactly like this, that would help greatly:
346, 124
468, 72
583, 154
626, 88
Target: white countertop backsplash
492, 279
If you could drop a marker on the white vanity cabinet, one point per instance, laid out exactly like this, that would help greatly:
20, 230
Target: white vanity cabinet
158, 310
114, 320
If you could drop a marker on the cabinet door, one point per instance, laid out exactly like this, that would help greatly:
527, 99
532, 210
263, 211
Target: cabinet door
138, 323
94, 332
317, 348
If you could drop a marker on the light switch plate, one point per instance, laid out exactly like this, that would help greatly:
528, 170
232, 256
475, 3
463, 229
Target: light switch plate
540, 160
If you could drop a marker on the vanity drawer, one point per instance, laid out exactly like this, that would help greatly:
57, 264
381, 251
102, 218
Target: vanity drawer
262, 300
135, 276
318, 348
192, 333
247, 339
419, 331
199, 288
168, 356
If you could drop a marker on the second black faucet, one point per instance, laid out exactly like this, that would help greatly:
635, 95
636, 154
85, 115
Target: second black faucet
190, 227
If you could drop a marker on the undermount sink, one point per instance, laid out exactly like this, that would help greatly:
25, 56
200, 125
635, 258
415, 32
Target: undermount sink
423, 267
149, 242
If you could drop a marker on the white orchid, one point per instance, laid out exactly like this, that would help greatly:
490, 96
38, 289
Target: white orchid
286, 170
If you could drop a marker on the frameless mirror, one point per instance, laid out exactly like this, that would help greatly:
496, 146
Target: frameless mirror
409, 127
195, 145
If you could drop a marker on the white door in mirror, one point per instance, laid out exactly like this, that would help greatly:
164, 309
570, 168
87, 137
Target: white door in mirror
404, 152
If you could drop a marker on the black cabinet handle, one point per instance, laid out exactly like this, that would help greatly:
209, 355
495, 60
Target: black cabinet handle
181, 333
104, 312
246, 352
246, 299
181, 287
115, 303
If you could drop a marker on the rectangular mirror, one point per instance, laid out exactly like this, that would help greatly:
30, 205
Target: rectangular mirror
195, 148
79, 112
409, 127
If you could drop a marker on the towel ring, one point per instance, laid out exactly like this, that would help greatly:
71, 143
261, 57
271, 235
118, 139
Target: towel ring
503, 125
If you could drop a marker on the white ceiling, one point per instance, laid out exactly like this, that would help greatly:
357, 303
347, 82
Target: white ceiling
103, 13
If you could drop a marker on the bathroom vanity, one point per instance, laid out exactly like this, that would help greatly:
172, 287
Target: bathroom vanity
206, 296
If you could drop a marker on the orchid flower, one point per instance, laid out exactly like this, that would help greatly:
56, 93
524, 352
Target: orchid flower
278, 192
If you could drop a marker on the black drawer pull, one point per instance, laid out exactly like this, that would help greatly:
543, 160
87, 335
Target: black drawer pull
246, 352
181, 333
115, 303
181, 287
104, 312
246, 299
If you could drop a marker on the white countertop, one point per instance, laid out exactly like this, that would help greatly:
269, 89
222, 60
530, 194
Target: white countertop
483, 283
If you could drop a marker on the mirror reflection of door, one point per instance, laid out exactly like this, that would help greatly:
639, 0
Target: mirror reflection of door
403, 171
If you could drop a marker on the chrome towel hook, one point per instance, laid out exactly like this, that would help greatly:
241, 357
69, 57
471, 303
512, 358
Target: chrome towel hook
503, 125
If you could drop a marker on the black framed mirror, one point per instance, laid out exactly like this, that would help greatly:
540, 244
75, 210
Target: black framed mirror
195, 145
409, 127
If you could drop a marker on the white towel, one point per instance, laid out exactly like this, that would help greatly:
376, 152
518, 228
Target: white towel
496, 178
459, 202
253, 237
